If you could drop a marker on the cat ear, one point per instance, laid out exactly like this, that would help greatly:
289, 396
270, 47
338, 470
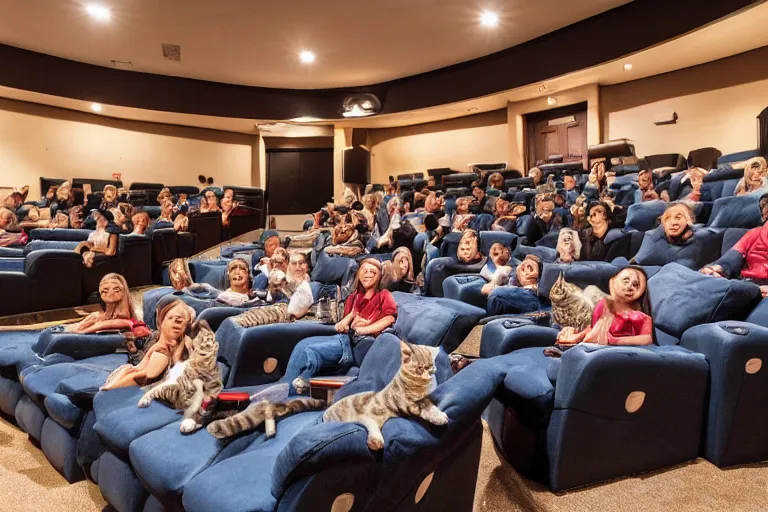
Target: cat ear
405, 351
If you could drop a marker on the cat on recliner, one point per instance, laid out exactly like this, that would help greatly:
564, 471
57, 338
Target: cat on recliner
198, 381
405, 395
572, 306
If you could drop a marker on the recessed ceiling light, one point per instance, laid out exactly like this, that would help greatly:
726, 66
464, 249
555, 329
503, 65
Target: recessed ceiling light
543, 87
307, 57
98, 12
96, 107
472, 109
551, 101
489, 19
627, 67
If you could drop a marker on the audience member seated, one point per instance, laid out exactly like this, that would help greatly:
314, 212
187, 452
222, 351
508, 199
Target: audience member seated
594, 245
520, 295
748, 259
298, 271
468, 250
118, 312
479, 198
345, 241
209, 202
506, 214
645, 190
496, 181
398, 272
496, 270
676, 240
103, 240
624, 318
463, 215
140, 221
568, 246
755, 177
108, 198
166, 347
368, 311
545, 220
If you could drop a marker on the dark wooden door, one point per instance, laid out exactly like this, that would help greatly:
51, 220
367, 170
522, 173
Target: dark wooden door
561, 131
299, 181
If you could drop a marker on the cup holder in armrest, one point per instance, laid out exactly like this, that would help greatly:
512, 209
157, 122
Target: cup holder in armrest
735, 329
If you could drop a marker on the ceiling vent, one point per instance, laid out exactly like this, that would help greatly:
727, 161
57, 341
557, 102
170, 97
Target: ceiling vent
172, 52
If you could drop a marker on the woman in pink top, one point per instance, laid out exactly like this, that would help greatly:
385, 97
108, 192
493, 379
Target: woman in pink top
624, 318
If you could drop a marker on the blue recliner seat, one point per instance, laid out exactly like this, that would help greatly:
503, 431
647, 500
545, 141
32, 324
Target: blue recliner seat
246, 351
438, 269
699, 250
311, 465
45, 279
468, 287
558, 436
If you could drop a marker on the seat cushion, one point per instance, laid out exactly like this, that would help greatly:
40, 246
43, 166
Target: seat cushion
682, 298
736, 212
119, 421
702, 248
434, 321
528, 388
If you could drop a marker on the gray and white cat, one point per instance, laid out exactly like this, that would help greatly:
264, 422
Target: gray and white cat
405, 395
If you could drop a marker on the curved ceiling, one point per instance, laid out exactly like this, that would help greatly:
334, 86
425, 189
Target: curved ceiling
257, 42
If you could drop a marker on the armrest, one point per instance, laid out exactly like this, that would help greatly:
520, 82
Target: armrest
319, 447
246, 349
20, 292
76, 345
596, 379
215, 316
507, 335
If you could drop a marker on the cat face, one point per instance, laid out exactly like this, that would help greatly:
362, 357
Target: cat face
418, 361
203, 341
559, 289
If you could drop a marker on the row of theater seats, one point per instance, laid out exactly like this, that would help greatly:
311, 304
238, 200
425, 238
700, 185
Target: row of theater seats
617, 410
48, 274
141, 461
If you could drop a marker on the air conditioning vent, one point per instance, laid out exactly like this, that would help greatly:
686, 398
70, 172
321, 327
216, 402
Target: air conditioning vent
172, 52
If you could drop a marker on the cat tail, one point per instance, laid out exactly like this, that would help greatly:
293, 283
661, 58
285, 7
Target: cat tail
262, 412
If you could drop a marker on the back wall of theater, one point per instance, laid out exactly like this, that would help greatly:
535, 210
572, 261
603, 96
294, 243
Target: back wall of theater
37, 140
453, 143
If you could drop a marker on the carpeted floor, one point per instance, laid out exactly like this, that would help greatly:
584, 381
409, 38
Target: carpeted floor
29, 483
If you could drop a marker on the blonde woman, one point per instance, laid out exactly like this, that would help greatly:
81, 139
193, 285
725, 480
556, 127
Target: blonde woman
755, 177
167, 346
398, 273
117, 308
298, 271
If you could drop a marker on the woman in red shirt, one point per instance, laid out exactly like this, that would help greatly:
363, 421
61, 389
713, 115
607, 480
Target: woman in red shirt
367, 312
622, 319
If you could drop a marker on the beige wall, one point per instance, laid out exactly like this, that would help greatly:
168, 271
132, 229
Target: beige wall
516, 114
717, 104
454, 143
36, 141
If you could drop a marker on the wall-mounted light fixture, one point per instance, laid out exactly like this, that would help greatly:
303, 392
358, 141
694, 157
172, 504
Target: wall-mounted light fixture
664, 121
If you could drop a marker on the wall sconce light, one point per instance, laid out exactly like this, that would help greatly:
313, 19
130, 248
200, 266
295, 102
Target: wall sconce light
551, 101
662, 122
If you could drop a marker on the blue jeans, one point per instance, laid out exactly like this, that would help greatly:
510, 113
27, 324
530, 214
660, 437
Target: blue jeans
327, 354
506, 300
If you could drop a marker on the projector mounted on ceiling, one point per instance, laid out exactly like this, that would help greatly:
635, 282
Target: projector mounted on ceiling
361, 105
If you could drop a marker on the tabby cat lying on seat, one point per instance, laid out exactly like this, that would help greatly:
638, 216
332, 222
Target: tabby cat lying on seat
572, 306
191, 383
405, 395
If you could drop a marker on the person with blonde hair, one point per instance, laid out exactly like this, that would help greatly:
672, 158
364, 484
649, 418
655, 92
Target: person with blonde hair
398, 273
118, 312
166, 347
755, 177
